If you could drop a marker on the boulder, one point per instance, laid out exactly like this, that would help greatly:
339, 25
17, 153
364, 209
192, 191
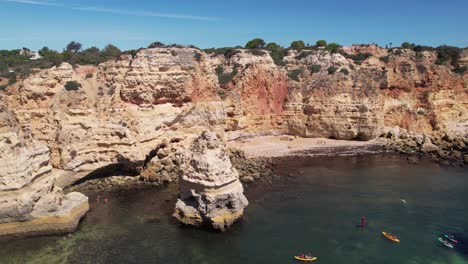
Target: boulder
428, 147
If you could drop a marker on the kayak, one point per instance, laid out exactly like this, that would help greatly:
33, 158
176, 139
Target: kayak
391, 237
305, 259
451, 238
445, 242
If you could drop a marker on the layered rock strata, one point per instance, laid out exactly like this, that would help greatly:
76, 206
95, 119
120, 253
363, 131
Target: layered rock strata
121, 115
30, 203
211, 193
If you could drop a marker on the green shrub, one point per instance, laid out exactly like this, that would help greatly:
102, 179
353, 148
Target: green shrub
72, 86
331, 69
385, 59
224, 78
197, 56
256, 43
448, 53
302, 55
297, 45
421, 68
156, 44
2, 87
333, 47
257, 52
407, 45
360, 57
315, 68
294, 74
321, 43
344, 71
278, 55
89, 76
110, 52
273, 46
460, 70
12, 80
228, 52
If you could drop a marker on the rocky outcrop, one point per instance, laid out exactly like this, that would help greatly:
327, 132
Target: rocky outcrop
444, 148
210, 191
251, 169
30, 203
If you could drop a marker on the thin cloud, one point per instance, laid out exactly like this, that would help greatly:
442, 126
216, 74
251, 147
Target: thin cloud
144, 14
116, 11
32, 2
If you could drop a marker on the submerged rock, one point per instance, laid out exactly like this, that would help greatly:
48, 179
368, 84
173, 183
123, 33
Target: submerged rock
210, 191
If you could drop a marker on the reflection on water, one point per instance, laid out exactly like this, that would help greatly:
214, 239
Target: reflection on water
314, 208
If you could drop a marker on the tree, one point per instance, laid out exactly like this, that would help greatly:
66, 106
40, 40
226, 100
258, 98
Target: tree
297, 45
50, 57
88, 56
74, 47
273, 46
407, 45
256, 43
110, 52
156, 44
333, 47
321, 43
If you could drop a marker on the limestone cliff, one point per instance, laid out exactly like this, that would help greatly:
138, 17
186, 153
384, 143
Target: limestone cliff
30, 203
132, 104
210, 190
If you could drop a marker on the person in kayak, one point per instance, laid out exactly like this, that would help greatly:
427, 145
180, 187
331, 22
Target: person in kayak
363, 221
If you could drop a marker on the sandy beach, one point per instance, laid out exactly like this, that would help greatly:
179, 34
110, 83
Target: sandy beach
280, 146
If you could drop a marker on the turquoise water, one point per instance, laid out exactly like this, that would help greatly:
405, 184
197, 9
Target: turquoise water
313, 207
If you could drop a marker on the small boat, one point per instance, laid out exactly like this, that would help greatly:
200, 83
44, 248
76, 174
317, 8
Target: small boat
391, 237
451, 238
305, 258
445, 242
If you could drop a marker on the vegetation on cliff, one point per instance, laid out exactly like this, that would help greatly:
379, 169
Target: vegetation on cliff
16, 64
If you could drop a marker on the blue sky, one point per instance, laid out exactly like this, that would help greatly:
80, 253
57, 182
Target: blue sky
210, 23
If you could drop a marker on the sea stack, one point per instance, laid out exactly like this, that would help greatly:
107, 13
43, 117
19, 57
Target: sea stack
211, 193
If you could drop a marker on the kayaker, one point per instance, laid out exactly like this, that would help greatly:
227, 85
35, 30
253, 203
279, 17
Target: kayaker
363, 221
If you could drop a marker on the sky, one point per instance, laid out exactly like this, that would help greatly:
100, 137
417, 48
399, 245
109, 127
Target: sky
220, 23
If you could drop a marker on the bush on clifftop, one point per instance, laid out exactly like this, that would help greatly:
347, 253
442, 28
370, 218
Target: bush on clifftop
331, 69
72, 86
321, 43
256, 43
333, 47
298, 45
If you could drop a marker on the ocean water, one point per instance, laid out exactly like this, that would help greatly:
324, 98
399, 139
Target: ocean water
312, 207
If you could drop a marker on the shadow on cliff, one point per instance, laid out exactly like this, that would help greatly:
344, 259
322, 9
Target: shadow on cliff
124, 167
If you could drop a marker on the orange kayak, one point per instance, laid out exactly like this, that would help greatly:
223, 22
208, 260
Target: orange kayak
391, 237
306, 259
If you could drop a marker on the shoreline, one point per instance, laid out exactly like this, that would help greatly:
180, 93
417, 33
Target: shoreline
49, 225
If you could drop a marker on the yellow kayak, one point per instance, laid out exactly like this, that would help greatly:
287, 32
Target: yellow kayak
305, 259
391, 237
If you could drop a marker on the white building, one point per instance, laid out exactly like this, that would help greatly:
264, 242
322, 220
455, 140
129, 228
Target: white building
33, 55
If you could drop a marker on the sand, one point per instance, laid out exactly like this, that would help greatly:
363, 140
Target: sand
279, 146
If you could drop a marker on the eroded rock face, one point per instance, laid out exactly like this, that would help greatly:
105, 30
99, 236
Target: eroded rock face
30, 203
210, 191
133, 103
